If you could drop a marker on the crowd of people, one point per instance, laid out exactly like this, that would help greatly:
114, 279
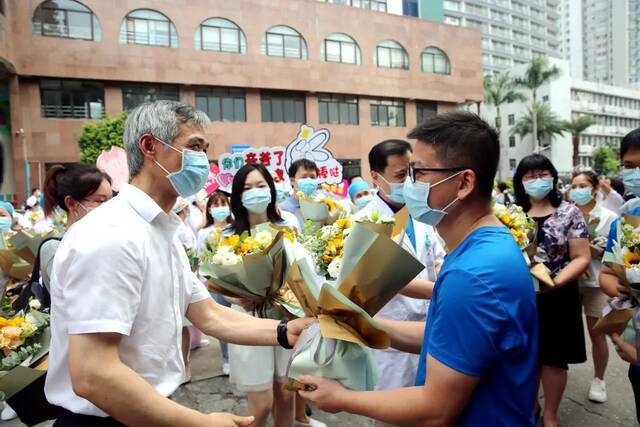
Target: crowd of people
472, 343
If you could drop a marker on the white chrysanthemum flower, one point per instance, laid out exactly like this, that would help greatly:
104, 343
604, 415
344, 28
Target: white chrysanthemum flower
231, 259
264, 238
35, 304
334, 267
217, 259
224, 250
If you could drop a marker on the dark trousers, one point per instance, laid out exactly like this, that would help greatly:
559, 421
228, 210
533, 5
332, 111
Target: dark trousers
69, 419
634, 377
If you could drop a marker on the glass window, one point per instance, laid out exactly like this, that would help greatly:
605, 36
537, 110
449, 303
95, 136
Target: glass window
222, 104
339, 47
378, 5
338, 109
451, 20
512, 141
136, 94
285, 42
387, 112
451, 5
435, 61
79, 99
283, 107
425, 110
391, 54
67, 19
220, 35
148, 27
511, 119
512, 164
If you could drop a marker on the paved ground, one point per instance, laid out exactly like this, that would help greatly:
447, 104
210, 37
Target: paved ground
209, 391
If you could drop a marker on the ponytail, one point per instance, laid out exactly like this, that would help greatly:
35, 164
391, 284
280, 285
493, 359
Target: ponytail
77, 182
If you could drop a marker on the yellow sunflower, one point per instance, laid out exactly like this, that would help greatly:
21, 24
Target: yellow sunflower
631, 260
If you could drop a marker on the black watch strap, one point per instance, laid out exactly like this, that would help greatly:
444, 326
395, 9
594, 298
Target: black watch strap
282, 335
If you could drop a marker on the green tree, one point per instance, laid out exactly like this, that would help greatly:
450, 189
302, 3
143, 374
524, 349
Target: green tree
101, 135
576, 127
547, 122
537, 74
500, 89
605, 161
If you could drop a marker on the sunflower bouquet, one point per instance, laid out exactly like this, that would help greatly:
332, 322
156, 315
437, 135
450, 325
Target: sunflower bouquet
319, 208
326, 246
251, 266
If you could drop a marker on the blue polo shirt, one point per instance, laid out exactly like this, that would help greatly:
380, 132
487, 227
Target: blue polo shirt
483, 322
613, 231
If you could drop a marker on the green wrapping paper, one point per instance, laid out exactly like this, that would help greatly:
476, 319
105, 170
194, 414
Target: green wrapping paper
374, 269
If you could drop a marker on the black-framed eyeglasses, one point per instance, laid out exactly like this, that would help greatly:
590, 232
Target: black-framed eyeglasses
414, 170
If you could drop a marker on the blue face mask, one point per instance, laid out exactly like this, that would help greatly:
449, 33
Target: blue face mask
219, 213
581, 196
5, 224
631, 180
416, 196
396, 191
363, 201
538, 188
192, 175
256, 200
281, 194
307, 185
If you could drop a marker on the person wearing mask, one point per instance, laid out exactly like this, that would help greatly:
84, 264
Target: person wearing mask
6, 217
478, 358
258, 371
282, 194
121, 284
217, 218
583, 192
563, 247
389, 165
360, 193
303, 175
185, 233
609, 282
503, 197
33, 213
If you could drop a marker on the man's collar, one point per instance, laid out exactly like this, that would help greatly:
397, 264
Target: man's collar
146, 207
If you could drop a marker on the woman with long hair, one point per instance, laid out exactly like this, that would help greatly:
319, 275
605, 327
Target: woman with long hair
217, 217
563, 248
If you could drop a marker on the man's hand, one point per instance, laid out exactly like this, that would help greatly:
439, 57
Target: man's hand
596, 251
228, 420
329, 395
605, 185
626, 351
295, 328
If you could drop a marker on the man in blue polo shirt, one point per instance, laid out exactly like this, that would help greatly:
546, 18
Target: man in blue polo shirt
479, 348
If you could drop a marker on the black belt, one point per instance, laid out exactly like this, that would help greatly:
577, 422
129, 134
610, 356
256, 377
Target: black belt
67, 418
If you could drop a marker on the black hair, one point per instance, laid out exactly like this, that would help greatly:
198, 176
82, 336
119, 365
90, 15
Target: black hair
33, 190
76, 181
617, 185
535, 162
630, 141
381, 152
240, 214
301, 163
463, 140
590, 175
502, 186
215, 196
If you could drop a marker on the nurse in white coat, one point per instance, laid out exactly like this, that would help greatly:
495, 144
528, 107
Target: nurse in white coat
389, 164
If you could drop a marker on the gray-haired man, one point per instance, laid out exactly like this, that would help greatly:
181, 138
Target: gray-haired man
121, 285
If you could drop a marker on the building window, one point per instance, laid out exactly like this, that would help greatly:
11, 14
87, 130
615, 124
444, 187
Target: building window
378, 5
283, 107
338, 47
451, 20
285, 42
512, 141
338, 109
222, 104
78, 99
391, 54
512, 164
451, 5
387, 112
67, 19
350, 168
148, 27
545, 98
426, 110
435, 61
136, 94
220, 35
511, 119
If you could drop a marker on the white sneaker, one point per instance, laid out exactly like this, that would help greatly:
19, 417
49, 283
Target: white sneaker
312, 423
8, 413
598, 391
225, 368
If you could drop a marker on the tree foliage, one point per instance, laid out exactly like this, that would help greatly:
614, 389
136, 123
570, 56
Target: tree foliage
605, 161
100, 136
549, 125
500, 89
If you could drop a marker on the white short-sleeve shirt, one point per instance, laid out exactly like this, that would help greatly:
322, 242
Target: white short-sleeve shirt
123, 270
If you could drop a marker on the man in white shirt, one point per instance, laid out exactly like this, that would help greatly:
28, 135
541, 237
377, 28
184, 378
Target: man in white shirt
121, 285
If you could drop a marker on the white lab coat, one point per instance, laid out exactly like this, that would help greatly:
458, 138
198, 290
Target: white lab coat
399, 368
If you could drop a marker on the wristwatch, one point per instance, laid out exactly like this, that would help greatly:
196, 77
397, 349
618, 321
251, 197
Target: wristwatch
282, 335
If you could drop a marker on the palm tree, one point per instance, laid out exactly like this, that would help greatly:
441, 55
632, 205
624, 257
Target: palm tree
576, 127
498, 90
536, 75
547, 122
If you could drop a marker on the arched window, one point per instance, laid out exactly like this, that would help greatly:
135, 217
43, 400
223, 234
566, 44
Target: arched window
149, 27
285, 42
67, 19
435, 61
338, 47
220, 35
391, 54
